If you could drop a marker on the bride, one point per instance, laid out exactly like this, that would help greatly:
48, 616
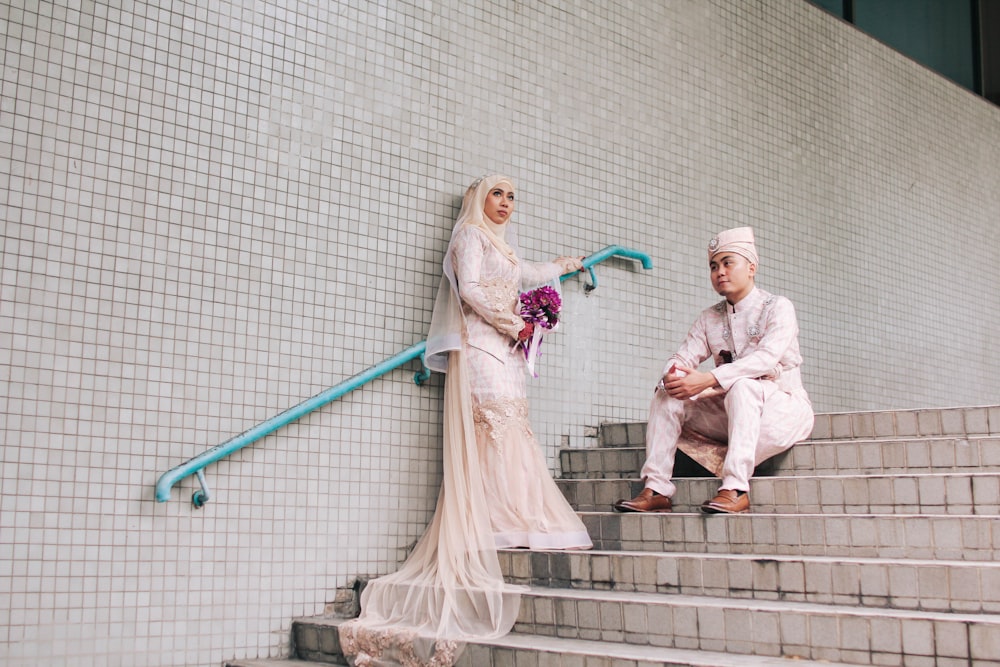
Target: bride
497, 491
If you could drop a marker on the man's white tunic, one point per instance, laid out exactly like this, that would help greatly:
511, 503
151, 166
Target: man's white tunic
761, 409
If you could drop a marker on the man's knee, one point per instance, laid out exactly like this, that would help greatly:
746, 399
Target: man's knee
664, 404
743, 389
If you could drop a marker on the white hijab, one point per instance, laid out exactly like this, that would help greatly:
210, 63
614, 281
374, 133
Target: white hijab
447, 321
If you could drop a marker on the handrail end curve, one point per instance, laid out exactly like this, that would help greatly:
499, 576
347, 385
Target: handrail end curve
163, 491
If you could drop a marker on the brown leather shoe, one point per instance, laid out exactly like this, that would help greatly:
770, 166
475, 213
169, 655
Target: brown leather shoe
647, 501
727, 501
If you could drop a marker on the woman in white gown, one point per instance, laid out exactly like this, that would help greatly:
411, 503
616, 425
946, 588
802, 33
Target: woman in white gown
497, 491
526, 508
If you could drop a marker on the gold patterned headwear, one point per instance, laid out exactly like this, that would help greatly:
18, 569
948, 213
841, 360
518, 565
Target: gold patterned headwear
738, 240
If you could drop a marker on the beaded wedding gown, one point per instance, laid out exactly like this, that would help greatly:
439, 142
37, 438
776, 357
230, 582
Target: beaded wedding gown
496, 491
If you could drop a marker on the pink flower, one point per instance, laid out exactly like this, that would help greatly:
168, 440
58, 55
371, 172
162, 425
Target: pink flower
541, 306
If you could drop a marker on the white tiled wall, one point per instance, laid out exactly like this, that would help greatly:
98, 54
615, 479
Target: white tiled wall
214, 210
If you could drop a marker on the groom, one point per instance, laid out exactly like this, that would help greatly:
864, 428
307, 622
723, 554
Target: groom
753, 400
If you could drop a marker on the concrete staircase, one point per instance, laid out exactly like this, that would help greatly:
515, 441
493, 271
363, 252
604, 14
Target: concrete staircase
876, 542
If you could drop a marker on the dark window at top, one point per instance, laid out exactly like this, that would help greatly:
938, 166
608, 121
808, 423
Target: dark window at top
835, 7
959, 39
937, 33
989, 49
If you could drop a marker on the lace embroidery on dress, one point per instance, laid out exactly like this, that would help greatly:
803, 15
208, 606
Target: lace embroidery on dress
500, 294
390, 646
495, 418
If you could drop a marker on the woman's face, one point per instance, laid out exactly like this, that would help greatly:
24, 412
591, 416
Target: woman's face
499, 204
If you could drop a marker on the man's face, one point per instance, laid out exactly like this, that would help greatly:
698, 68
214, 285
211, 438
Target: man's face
732, 275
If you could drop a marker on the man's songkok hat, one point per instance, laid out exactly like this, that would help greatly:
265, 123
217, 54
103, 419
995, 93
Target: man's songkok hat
738, 240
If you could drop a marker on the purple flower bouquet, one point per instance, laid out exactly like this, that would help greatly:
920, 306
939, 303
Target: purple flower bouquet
541, 307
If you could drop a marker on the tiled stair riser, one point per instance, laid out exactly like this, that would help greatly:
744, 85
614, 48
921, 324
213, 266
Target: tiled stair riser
817, 632
951, 586
867, 457
971, 538
785, 628
486, 656
901, 424
317, 640
908, 423
937, 494
862, 457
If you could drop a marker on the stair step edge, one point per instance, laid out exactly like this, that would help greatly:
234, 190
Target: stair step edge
278, 662
586, 648
790, 558
750, 604
648, 654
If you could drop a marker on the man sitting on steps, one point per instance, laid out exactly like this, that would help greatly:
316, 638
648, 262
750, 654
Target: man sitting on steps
753, 400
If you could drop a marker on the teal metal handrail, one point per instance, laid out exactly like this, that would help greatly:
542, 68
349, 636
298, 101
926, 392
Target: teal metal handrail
608, 253
195, 465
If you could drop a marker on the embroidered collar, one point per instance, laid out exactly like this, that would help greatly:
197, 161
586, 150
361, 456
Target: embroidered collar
748, 302
755, 329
